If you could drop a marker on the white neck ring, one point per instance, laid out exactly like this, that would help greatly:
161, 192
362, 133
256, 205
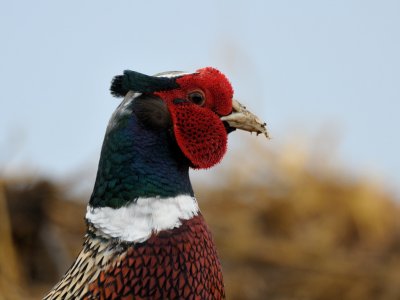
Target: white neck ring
137, 221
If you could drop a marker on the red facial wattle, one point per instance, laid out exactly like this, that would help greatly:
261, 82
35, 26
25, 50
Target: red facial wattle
198, 130
200, 134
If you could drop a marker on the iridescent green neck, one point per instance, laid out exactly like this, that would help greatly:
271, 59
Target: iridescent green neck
138, 162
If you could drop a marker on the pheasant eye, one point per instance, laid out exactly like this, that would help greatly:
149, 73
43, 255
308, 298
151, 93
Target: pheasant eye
197, 98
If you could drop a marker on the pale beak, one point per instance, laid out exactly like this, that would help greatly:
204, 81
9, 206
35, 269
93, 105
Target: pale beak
241, 118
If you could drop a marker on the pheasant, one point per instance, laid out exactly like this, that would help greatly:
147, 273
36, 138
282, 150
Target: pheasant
146, 237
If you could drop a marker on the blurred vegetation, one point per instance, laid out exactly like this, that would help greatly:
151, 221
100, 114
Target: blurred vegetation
288, 225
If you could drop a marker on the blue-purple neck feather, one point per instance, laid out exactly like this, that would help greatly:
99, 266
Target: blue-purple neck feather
138, 161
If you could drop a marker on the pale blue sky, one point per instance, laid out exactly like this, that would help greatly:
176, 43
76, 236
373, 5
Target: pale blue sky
297, 63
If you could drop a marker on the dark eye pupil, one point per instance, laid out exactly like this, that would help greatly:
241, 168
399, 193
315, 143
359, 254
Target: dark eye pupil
196, 98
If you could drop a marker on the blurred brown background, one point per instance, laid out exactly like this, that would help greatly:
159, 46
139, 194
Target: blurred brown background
287, 226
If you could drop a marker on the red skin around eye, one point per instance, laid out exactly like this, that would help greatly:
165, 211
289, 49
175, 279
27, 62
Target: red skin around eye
216, 87
198, 130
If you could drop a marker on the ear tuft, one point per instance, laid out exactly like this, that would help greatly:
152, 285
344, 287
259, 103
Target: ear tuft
141, 83
117, 88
